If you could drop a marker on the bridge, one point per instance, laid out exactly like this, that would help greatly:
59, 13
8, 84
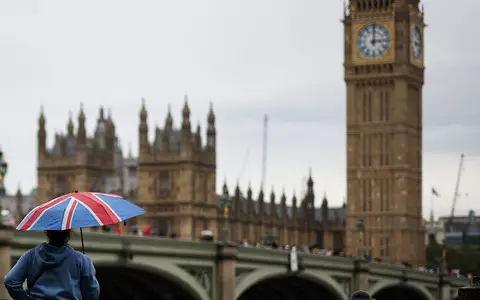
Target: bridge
131, 267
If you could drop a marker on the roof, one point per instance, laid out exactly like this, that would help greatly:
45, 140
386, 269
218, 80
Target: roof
334, 214
174, 140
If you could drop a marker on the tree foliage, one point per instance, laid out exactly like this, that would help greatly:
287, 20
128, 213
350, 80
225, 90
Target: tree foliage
465, 258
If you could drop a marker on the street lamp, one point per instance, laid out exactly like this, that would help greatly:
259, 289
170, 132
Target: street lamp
361, 231
3, 171
227, 206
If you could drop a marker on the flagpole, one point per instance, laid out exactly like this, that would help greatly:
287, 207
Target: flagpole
431, 204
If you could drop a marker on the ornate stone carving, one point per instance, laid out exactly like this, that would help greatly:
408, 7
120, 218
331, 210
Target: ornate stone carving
162, 184
203, 275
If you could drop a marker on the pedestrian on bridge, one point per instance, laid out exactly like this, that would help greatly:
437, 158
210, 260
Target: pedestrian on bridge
361, 295
53, 270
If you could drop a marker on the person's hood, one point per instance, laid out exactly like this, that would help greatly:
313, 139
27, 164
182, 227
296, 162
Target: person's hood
50, 255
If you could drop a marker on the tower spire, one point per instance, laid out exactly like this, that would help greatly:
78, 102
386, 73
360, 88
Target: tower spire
81, 131
41, 135
211, 130
70, 124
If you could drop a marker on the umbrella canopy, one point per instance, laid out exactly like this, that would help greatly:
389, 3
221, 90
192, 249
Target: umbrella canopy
80, 210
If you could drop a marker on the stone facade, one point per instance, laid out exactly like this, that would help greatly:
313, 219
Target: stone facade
301, 223
174, 179
177, 176
384, 75
76, 161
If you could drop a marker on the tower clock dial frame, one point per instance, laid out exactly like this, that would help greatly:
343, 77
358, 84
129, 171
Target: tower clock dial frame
373, 42
416, 45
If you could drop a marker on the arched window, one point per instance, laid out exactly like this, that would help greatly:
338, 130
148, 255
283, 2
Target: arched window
61, 186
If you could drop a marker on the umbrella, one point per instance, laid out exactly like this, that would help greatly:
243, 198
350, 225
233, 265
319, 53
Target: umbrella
80, 210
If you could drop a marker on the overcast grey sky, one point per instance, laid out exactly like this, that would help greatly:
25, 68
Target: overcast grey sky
250, 57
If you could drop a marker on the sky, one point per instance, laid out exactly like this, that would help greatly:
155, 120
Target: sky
249, 58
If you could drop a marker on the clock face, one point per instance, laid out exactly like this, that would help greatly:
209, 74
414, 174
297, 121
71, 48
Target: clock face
416, 40
373, 40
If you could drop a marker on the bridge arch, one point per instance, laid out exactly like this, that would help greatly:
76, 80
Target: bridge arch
144, 282
400, 290
269, 278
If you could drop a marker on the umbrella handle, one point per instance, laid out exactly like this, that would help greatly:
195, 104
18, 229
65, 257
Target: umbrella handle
81, 237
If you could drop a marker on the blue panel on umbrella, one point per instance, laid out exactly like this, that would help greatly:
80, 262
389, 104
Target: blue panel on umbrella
122, 207
51, 218
83, 218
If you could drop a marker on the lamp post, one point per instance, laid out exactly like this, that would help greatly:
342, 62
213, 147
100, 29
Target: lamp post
226, 206
3, 172
361, 231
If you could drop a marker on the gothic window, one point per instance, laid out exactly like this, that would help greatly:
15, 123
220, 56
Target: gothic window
163, 184
382, 194
205, 224
384, 153
205, 187
194, 186
382, 110
370, 195
366, 149
365, 106
382, 250
98, 185
387, 246
387, 194
337, 241
61, 186
369, 106
319, 239
387, 105
364, 190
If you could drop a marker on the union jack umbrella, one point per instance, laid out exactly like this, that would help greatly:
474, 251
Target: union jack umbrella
80, 210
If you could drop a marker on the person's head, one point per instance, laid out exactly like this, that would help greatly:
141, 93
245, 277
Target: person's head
58, 237
361, 295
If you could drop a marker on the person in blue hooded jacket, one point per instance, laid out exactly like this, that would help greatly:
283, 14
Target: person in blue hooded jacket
53, 270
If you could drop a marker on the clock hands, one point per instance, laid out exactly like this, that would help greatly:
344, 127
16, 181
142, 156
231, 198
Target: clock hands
373, 34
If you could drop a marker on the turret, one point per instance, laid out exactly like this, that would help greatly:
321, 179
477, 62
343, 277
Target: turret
42, 136
198, 138
211, 130
309, 201
19, 205
283, 205
325, 208
273, 206
237, 205
110, 135
294, 208
250, 208
143, 131
186, 133
81, 131
261, 205
167, 130
70, 126
158, 140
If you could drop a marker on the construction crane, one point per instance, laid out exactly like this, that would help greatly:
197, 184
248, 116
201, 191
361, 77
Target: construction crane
264, 152
455, 195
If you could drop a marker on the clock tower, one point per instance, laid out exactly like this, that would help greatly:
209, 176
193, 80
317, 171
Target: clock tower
384, 75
